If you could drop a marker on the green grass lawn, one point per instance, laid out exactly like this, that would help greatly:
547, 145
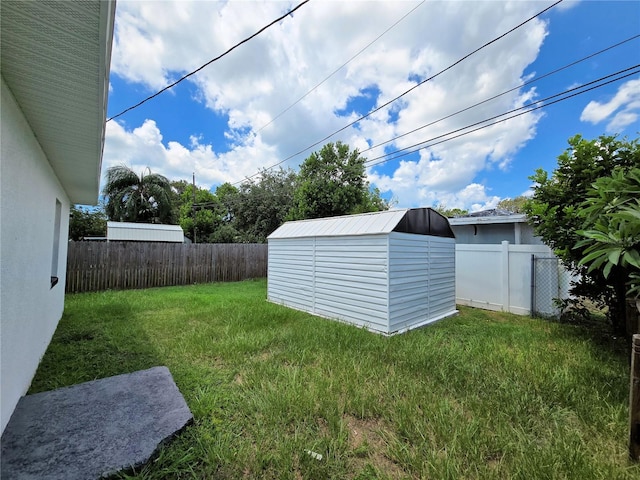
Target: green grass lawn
480, 395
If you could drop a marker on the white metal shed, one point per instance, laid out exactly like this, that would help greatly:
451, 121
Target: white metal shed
387, 271
144, 232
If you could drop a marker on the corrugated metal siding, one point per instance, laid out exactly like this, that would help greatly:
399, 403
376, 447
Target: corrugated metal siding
421, 279
351, 279
408, 280
442, 275
290, 272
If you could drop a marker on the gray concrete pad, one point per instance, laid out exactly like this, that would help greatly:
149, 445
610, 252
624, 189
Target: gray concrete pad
93, 429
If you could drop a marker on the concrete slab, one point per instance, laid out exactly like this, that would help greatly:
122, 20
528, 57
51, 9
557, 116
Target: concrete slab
93, 429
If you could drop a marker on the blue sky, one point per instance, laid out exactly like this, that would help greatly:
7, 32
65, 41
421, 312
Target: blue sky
224, 123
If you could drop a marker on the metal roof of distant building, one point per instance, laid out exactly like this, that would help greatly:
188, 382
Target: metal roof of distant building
495, 215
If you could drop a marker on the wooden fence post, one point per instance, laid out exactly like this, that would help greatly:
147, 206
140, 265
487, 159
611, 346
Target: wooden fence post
634, 400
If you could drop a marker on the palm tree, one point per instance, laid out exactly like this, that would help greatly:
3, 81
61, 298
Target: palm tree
133, 198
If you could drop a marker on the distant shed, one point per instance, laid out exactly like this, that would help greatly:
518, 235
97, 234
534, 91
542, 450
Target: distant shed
387, 271
144, 232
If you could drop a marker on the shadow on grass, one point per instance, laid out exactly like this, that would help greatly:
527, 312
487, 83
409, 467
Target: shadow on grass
98, 341
598, 331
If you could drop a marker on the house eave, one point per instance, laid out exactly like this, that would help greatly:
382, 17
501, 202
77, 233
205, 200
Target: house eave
63, 100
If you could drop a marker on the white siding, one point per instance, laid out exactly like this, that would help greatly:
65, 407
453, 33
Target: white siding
351, 279
442, 274
421, 280
290, 272
30, 307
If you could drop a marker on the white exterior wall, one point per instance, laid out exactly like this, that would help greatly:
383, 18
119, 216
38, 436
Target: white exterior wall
351, 280
29, 307
496, 277
421, 280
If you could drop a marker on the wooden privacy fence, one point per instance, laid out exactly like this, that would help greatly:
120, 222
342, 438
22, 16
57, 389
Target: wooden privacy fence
95, 266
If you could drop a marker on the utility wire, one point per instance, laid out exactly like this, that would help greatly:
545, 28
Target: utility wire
290, 12
527, 109
339, 68
422, 145
409, 90
503, 93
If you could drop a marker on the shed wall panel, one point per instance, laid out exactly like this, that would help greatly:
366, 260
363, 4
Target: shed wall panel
350, 264
421, 279
408, 282
290, 273
442, 282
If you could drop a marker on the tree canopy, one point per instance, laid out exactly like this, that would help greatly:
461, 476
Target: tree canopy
84, 222
513, 205
559, 212
132, 198
442, 209
262, 204
333, 182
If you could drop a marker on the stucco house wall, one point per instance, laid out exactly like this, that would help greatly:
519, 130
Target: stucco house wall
30, 307
54, 78
493, 230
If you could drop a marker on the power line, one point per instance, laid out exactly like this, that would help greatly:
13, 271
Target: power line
422, 145
409, 90
566, 95
290, 12
339, 68
503, 93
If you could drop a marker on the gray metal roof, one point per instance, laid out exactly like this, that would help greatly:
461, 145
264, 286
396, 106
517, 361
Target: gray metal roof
55, 60
423, 221
477, 220
144, 232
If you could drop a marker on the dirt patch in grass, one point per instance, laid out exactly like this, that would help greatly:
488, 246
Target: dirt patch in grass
367, 441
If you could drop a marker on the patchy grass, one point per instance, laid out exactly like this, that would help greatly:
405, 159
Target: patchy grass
481, 395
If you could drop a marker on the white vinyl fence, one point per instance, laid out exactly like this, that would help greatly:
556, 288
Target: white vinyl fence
507, 278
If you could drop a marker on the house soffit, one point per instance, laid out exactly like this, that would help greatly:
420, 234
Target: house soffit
55, 60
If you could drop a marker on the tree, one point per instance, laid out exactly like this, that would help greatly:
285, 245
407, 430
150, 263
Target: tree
261, 205
513, 205
201, 221
557, 202
132, 198
333, 182
612, 244
228, 196
442, 209
87, 223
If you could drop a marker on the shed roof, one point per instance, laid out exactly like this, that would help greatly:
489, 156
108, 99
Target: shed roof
420, 221
144, 232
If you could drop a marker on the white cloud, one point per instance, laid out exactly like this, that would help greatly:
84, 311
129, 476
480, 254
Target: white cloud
567, 5
143, 148
156, 42
621, 110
